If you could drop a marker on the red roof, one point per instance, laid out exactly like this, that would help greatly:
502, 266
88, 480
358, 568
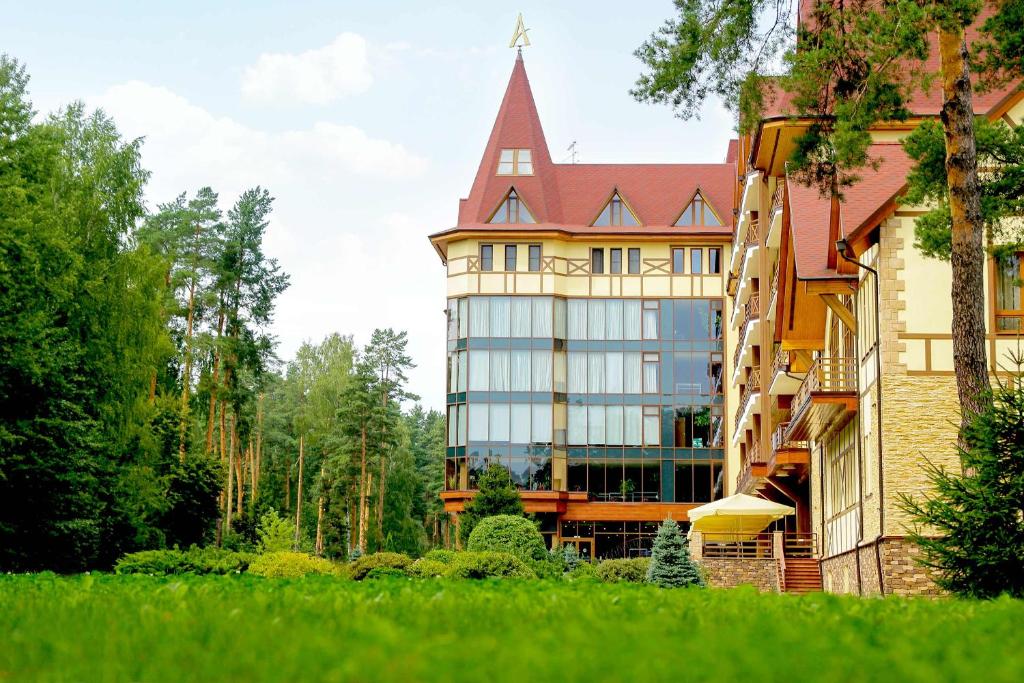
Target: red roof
569, 197
864, 204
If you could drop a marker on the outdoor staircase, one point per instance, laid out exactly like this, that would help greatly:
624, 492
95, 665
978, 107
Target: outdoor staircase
802, 575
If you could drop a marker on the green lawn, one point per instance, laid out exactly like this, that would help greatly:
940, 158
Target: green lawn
242, 628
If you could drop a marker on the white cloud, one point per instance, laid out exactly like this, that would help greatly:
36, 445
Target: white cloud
314, 76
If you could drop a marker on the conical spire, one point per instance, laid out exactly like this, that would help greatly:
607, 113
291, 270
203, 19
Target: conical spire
517, 126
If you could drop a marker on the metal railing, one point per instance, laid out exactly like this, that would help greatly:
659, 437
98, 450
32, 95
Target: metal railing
799, 544
630, 497
737, 546
825, 376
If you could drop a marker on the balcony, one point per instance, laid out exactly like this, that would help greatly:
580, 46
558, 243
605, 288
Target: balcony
774, 234
747, 336
784, 381
753, 470
748, 405
828, 393
773, 293
747, 266
788, 456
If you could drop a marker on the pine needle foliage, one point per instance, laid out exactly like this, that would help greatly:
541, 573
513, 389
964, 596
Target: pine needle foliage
671, 565
495, 496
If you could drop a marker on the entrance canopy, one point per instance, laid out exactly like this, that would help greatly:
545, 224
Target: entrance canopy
737, 514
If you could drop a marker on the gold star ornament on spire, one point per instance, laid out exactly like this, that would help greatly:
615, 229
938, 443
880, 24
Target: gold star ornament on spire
520, 34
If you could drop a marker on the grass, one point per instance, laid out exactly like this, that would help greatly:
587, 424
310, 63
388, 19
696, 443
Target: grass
244, 628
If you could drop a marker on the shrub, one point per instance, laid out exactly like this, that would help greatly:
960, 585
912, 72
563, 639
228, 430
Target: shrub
292, 565
671, 565
191, 561
584, 571
489, 564
365, 564
275, 534
426, 568
385, 573
548, 568
570, 556
631, 570
496, 495
441, 555
508, 533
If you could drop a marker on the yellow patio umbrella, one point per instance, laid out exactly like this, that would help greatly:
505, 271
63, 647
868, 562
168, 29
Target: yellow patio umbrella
738, 514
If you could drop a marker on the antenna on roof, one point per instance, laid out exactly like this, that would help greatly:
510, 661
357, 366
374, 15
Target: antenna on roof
571, 149
520, 34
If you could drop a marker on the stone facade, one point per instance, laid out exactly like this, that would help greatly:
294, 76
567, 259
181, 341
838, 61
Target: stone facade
732, 572
901, 570
904, 575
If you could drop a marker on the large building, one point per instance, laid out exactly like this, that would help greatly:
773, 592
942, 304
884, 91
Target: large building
587, 335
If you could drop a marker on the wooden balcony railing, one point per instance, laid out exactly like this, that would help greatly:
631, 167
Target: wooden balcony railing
751, 311
737, 546
799, 544
751, 386
753, 234
774, 288
777, 196
825, 376
780, 361
780, 440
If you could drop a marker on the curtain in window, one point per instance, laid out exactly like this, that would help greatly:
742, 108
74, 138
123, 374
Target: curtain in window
463, 317
520, 370
463, 374
631, 319
478, 422
462, 424
577, 318
595, 373
652, 430
613, 425
479, 316
479, 372
500, 313
595, 319
650, 378
521, 307
499, 371
577, 419
453, 319
541, 427
499, 421
520, 419
650, 323
577, 372
542, 371
453, 371
542, 317
453, 425
595, 425
613, 312
613, 372
632, 416
631, 372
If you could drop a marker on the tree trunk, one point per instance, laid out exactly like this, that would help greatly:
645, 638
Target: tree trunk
319, 548
353, 526
288, 487
298, 501
186, 376
239, 463
362, 491
364, 522
231, 466
380, 496
968, 254
213, 383
252, 474
259, 447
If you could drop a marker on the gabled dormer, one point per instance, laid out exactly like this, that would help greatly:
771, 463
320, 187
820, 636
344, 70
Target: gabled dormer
616, 212
511, 211
698, 213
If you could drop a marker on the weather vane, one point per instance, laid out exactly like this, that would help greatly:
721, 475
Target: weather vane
520, 34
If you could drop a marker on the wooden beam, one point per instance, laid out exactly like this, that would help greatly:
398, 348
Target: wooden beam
844, 313
830, 286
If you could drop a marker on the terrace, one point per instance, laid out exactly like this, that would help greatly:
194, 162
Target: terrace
828, 392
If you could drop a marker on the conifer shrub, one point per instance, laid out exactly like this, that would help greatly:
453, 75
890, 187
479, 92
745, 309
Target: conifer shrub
274, 534
426, 568
359, 569
192, 561
510, 534
496, 495
292, 565
627, 570
584, 571
441, 555
489, 564
570, 557
385, 573
671, 565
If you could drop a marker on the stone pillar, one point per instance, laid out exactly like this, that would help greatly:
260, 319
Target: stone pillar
696, 546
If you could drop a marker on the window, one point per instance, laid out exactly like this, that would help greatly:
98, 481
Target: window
634, 261
678, 258
698, 212
511, 210
1009, 308
515, 162
616, 213
616, 265
486, 257
696, 261
597, 261
715, 260
510, 257
534, 258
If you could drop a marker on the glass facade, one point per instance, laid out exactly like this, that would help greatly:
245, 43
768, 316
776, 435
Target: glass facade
620, 398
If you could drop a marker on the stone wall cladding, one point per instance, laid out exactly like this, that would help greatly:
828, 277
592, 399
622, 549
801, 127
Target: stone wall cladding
892, 294
839, 574
904, 575
729, 573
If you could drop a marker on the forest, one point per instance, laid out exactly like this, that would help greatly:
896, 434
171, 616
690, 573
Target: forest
142, 401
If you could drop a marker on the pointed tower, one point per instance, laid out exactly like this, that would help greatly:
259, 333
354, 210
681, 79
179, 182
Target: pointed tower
516, 157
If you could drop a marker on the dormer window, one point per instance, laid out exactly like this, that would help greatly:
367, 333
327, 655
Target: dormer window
616, 212
515, 162
698, 213
512, 210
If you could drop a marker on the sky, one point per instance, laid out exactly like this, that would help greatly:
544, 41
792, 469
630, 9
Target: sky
365, 120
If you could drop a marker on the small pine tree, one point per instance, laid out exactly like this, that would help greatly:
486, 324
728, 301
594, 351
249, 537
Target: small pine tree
495, 496
571, 557
671, 565
970, 526
274, 533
